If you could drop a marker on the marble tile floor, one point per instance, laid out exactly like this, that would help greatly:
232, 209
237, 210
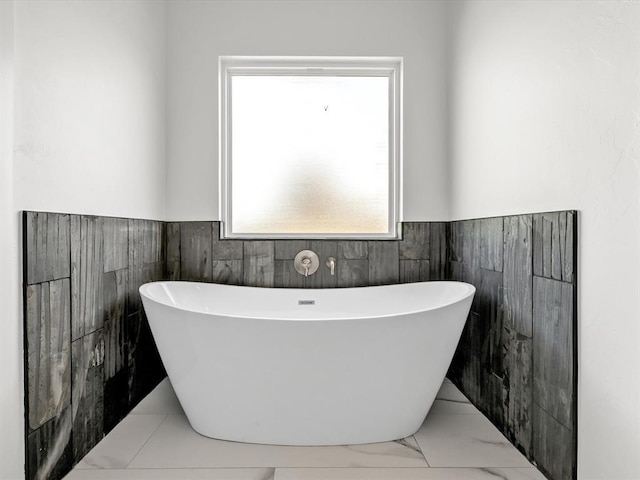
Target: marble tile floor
155, 442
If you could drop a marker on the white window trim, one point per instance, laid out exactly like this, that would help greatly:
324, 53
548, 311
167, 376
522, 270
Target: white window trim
365, 66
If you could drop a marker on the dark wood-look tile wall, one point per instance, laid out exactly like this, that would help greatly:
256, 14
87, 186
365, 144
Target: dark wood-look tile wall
47, 243
88, 367
87, 269
515, 361
196, 252
258, 264
87, 340
48, 320
438, 251
517, 356
49, 441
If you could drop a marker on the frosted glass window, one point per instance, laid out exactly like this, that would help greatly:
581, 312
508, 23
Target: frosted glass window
310, 153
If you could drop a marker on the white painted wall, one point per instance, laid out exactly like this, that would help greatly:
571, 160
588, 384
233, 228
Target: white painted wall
198, 32
90, 107
545, 110
11, 396
546, 116
82, 130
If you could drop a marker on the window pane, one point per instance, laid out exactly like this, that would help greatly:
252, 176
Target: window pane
310, 154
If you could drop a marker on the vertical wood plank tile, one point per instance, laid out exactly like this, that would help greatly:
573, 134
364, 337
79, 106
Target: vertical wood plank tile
491, 243
288, 249
136, 261
227, 249
414, 271
353, 250
518, 384
47, 241
227, 271
556, 258
259, 268
135, 275
136, 242
88, 427
352, 273
550, 438
86, 275
286, 276
567, 245
517, 274
487, 303
116, 243
562, 247
195, 253
455, 239
456, 271
383, 263
172, 251
415, 241
48, 350
553, 252
438, 251
553, 348
173, 242
172, 271
466, 368
145, 366
88, 385
116, 397
493, 398
471, 242
43, 459
133, 326
537, 246
150, 272
74, 227
58, 245
323, 278
145, 241
152, 240
115, 294
547, 244
160, 232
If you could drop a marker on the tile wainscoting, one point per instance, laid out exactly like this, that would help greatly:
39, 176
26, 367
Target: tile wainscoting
88, 344
195, 252
89, 354
517, 358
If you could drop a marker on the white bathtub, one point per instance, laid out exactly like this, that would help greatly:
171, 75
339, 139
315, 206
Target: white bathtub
306, 367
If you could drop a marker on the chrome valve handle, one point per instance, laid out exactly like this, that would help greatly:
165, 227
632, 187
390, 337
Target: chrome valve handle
331, 263
306, 262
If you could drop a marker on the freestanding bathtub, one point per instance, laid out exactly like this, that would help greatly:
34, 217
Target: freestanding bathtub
306, 367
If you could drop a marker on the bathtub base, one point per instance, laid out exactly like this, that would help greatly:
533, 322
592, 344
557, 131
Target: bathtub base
308, 381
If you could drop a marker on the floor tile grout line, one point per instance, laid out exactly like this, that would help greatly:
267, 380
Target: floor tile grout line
134, 469
353, 468
421, 452
146, 441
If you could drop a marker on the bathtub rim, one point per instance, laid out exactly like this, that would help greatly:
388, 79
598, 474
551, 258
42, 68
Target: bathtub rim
466, 290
